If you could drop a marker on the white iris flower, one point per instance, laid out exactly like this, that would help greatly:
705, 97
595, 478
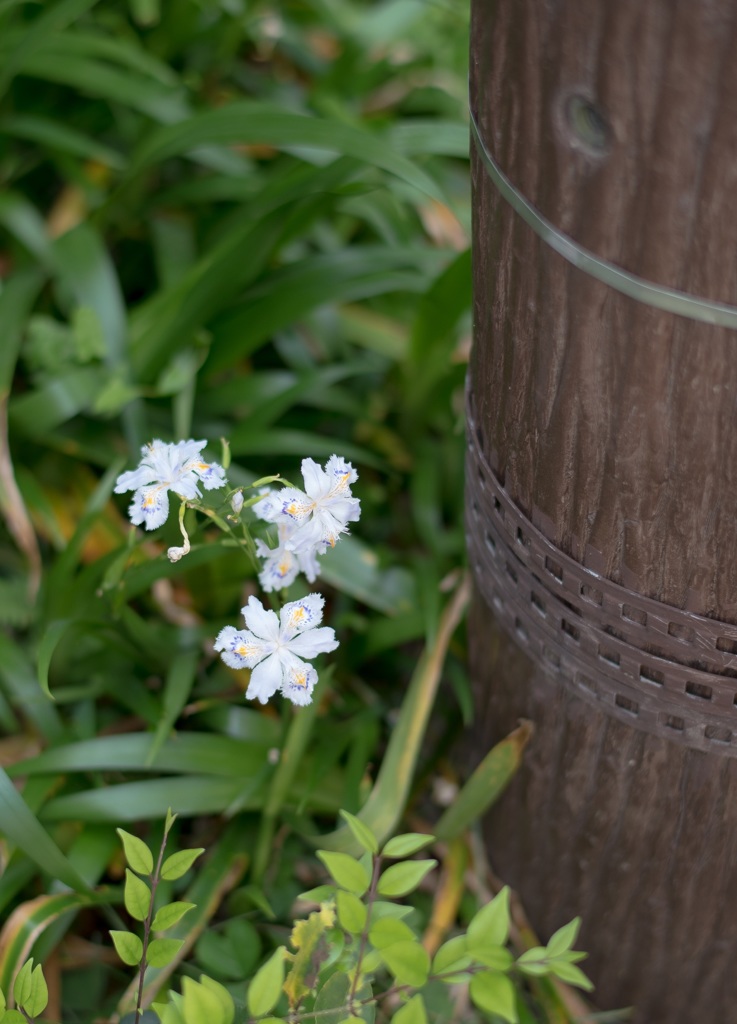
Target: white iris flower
274, 646
317, 516
163, 468
281, 565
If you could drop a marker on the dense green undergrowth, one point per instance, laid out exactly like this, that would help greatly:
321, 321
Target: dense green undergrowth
240, 220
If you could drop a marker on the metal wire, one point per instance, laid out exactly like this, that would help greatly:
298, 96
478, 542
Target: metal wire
635, 287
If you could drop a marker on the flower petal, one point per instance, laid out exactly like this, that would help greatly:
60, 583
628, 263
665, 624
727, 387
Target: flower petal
241, 649
299, 682
317, 483
313, 642
341, 473
150, 506
266, 679
297, 616
261, 621
293, 505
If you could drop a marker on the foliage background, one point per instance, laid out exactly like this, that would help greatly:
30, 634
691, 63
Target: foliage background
218, 219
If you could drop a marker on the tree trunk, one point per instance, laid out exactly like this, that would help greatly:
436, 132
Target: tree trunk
602, 485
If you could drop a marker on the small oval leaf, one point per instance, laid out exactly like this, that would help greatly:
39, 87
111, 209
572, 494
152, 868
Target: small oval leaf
169, 915
346, 871
265, 989
400, 879
179, 863
128, 947
136, 896
407, 844
161, 952
138, 855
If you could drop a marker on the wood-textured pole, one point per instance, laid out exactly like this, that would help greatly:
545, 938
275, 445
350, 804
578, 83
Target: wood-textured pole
614, 425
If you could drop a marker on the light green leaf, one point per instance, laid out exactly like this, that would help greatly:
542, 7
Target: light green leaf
571, 974
169, 915
179, 863
382, 909
265, 989
495, 994
319, 894
409, 962
128, 947
136, 896
333, 996
161, 952
200, 1004
388, 930
362, 832
562, 940
400, 879
13, 1017
346, 871
452, 957
407, 844
22, 985
412, 1012
351, 912
490, 926
138, 855
485, 785
497, 958
223, 996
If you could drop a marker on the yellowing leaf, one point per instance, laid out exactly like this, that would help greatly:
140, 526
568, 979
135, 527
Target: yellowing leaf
309, 938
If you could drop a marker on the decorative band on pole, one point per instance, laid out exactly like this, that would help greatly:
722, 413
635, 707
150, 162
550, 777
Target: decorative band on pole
659, 668
668, 299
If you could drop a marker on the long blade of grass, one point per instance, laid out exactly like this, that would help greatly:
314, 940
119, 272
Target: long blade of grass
383, 809
486, 784
253, 122
21, 827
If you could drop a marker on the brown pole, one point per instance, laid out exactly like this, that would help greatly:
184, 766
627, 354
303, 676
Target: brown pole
602, 485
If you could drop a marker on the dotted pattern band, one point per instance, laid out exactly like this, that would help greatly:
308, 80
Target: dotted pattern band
664, 670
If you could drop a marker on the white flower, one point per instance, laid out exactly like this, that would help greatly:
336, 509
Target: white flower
271, 647
281, 565
163, 468
318, 515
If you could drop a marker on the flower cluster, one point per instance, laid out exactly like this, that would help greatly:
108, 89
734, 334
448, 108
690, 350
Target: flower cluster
271, 647
163, 468
308, 522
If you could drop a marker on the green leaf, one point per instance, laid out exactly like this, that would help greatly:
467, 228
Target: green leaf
23, 984
179, 863
265, 989
571, 974
388, 930
346, 871
250, 121
169, 915
400, 879
319, 894
382, 909
128, 947
351, 912
497, 958
36, 1002
407, 844
333, 996
362, 832
412, 1012
200, 1004
562, 940
136, 896
224, 997
13, 1017
161, 952
490, 926
495, 994
485, 785
20, 827
452, 957
409, 962
138, 855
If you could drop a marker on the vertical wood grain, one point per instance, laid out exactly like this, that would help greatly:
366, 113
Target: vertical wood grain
619, 423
